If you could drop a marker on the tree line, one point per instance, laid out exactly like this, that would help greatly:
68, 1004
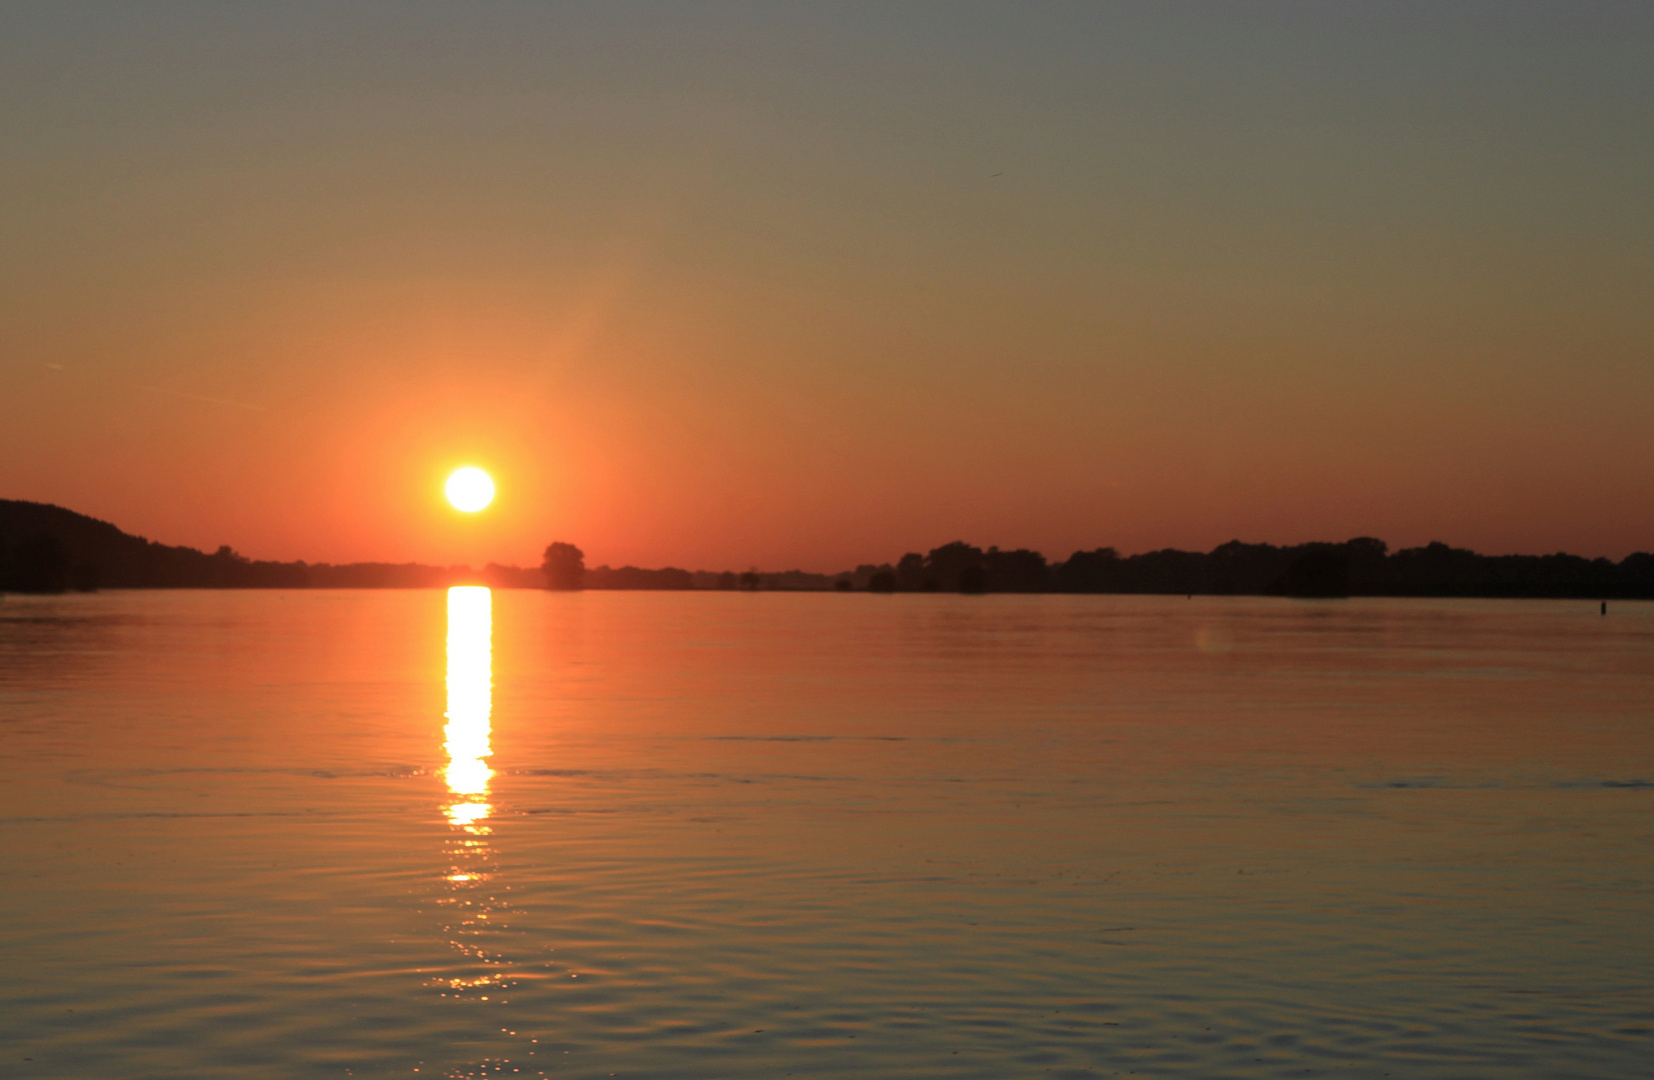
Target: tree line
48, 549
1360, 567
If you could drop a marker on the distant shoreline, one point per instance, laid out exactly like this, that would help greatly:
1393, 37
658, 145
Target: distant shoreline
48, 549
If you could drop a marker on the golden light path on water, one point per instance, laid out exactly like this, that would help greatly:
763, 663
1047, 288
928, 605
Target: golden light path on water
470, 702
476, 912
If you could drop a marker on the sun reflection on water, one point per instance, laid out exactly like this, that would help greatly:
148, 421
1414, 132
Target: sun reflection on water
470, 702
474, 903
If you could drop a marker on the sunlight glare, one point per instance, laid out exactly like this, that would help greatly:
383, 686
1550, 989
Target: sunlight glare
469, 489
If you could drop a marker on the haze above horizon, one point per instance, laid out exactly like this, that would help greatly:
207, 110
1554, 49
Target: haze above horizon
779, 285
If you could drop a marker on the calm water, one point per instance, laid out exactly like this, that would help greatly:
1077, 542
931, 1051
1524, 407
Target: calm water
727, 835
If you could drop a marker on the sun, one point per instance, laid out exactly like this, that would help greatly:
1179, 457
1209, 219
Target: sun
469, 489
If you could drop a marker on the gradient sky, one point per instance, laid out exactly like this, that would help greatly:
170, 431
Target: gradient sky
812, 285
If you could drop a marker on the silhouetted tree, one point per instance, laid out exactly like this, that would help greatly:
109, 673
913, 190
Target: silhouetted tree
1015, 571
1637, 570
910, 572
1237, 567
728, 580
1090, 571
944, 565
564, 566
882, 581
1436, 569
1365, 556
750, 580
862, 576
1323, 571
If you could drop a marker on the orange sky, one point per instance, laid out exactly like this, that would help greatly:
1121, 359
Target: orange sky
781, 287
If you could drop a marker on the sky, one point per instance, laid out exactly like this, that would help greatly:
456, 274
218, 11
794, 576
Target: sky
788, 285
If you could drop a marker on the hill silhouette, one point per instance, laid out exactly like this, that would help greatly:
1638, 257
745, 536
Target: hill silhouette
45, 548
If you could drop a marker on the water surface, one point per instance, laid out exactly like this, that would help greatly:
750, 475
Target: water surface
254, 834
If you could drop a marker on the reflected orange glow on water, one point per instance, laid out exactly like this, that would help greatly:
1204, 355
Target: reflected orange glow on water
472, 905
470, 702
1413, 831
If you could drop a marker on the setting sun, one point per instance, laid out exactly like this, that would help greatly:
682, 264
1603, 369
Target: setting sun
469, 489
